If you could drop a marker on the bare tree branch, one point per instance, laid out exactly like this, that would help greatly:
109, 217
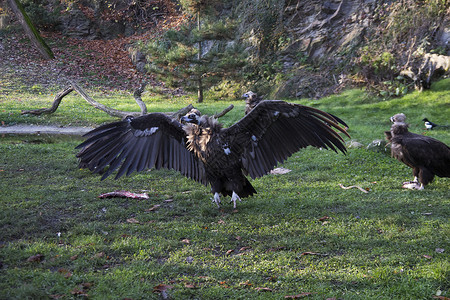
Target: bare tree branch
224, 112
181, 112
137, 96
55, 104
110, 111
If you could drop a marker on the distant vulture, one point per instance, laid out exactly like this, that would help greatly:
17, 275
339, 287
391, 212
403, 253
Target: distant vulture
251, 100
199, 148
427, 156
399, 118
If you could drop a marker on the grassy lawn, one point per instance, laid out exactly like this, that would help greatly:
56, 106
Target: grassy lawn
300, 236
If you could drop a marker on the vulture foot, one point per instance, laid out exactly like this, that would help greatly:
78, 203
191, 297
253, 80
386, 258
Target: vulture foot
216, 199
412, 185
235, 197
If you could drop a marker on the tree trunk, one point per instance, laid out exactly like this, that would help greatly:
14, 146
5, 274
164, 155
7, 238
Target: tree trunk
30, 30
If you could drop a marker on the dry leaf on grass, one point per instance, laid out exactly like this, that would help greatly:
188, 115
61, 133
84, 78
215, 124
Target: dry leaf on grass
36, 258
324, 218
132, 221
65, 273
161, 288
280, 171
153, 208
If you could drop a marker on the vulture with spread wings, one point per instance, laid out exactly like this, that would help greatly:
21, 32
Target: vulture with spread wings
201, 149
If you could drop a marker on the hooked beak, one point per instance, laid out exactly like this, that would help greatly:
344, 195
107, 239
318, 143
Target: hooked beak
185, 119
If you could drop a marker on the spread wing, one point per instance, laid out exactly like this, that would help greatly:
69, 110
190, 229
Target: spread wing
274, 130
134, 144
422, 151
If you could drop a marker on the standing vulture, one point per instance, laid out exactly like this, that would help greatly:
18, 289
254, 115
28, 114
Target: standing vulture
199, 148
427, 156
251, 100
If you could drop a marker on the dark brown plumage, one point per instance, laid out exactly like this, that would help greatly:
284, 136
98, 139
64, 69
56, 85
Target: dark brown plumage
251, 100
427, 156
202, 150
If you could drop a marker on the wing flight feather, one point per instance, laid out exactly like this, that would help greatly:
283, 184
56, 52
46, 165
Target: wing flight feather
151, 141
274, 130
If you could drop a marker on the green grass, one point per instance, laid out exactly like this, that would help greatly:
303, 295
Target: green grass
379, 245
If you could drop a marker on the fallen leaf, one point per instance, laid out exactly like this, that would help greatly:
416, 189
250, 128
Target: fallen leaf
221, 221
275, 249
99, 255
229, 251
301, 295
78, 292
264, 289
132, 221
74, 257
87, 285
280, 171
65, 273
153, 208
185, 241
36, 258
246, 283
441, 297
190, 286
161, 288
440, 250
324, 218
245, 248
238, 238
427, 256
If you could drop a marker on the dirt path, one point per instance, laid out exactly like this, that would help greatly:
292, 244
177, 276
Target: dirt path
39, 129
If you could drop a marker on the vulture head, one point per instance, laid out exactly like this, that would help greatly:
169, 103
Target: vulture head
400, 118
194, 116
251, 100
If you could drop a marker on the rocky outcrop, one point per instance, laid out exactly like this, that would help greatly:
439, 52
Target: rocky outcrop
318, 41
